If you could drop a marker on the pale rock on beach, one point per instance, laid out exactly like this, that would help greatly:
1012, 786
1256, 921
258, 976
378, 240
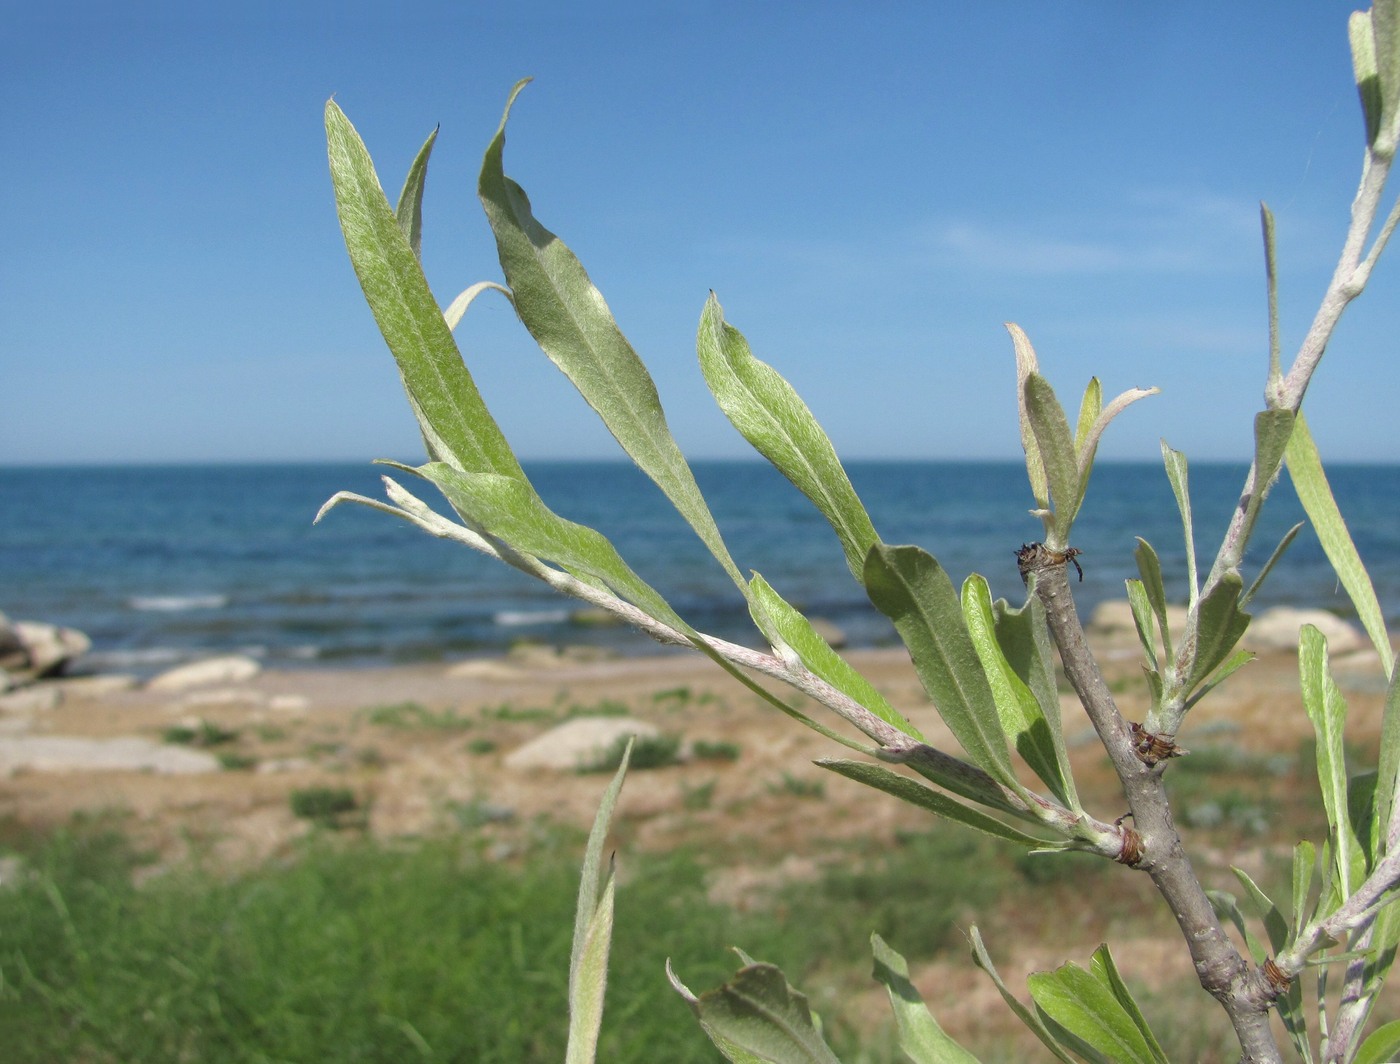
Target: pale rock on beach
32, 650
576, 742
228, 669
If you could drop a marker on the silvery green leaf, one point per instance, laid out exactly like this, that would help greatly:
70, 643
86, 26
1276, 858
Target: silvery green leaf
1228, 667
571, 322
1090, 407
1034, 732
1026, 364
909, 587
1104, 969
920, 1037
915, 793
777, 423
1143, 621
1220, 623
796, 632
1327, 710
1056, 446
759, 1013
441, 391
1314, 492
593, 920
1283, 545
1031, 1019
1175, 463
1150, 569
1389, 762
1381, 1045
409, 212
1088, 1007
1087, 442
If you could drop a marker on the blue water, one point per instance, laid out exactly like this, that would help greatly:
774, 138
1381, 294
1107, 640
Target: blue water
161, 564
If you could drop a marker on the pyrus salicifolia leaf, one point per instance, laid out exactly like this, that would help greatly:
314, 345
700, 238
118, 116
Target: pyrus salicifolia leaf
1150, 569
1056, 446
571, 322
796, 632
770, 414
1086, 1004
915, 793
1327, 710
409, 212
909, 587
1034, 731
758, 1012
441, 391
920, 1037
1315, 493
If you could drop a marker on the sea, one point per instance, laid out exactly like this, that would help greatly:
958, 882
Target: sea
163, 564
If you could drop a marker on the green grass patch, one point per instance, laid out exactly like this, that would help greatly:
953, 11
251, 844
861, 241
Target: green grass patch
205, 733
328, 806
415, 715
360, 952
648, 751
705, 750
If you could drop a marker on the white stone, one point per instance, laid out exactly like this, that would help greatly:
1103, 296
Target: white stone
576, 742
232, 668
1114, 617
1277, 629
57, 753
36, 699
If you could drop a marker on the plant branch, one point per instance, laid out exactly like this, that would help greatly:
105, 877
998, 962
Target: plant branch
1348, 281
1241, 989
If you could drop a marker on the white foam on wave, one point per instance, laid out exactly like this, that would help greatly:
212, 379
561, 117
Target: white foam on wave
525, 618
177, 603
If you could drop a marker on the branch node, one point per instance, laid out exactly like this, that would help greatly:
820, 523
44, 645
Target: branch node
1279, 980
1130, 853
1033, 557
1153, 749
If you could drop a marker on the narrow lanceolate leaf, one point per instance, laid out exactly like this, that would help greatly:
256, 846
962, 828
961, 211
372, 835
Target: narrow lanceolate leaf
1275, 924
1236, 661
409, 212
1144, 621
1175, 462
1033, 733
1304, 872
1309, 481
795, 631
510, 510
1087, 1007
910, 588
442, 392
589, 985
915, 793
1031, 1019
1088, 443
1220, 623
1327, 710
1272, 429
570, 320
1026, 364
1388, 767
770, 414
1283, 544
759, 1013
1106, 971
1381, 1045
1150, 569
1052, 437
1089, 409
588, 962
920, 1037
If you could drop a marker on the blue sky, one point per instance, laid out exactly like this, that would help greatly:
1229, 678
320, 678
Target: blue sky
870, 189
